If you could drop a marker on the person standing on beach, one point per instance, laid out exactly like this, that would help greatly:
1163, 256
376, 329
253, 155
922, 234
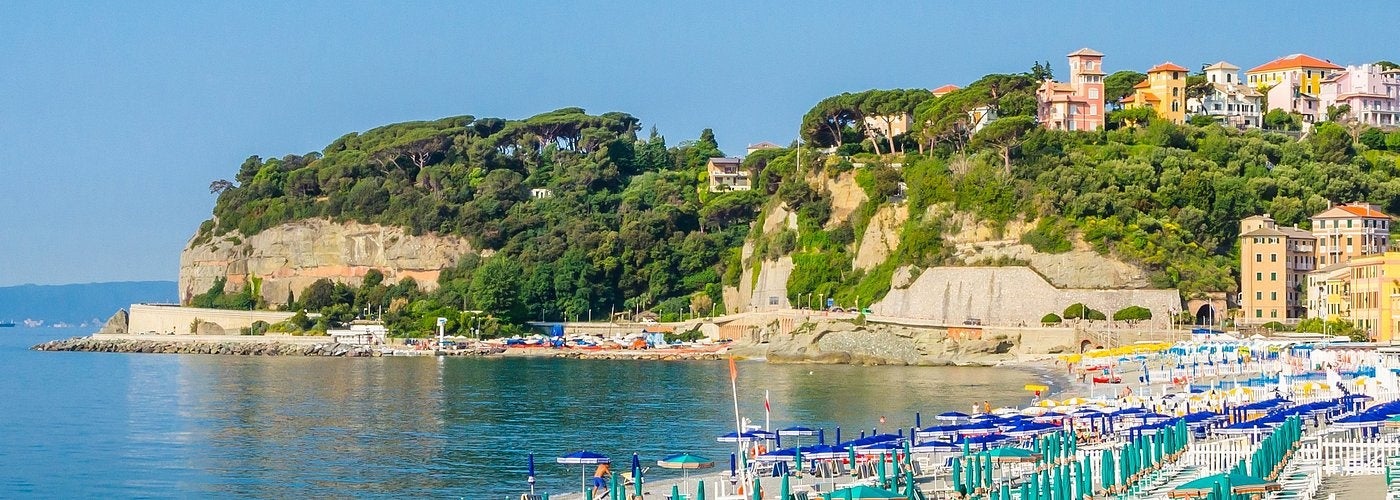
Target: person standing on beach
986, 406
600, 479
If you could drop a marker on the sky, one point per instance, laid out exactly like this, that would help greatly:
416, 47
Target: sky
116, 116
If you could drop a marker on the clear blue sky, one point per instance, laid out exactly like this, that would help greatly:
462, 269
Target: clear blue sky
115, 116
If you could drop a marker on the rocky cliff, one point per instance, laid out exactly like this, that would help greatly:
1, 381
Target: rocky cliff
291, 256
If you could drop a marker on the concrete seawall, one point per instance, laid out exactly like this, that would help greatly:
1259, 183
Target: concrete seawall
172, 319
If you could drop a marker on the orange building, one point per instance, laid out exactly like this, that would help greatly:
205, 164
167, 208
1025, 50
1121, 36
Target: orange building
1164, 90
1273, 264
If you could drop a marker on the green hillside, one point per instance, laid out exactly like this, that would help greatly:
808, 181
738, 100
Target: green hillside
631, 226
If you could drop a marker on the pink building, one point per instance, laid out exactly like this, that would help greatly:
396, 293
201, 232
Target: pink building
1372, 94
1287, 95
1078, 103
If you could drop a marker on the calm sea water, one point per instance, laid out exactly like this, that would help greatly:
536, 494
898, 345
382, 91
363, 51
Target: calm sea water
125, 425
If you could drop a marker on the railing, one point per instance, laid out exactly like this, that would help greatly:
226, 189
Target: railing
1351, 456
1218, 455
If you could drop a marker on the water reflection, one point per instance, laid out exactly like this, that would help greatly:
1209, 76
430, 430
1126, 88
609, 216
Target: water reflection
430, 427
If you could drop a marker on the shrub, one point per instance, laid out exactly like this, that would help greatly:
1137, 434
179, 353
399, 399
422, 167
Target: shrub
1075, 311
1132, 313
1094, 315
1051, 319
1047, 237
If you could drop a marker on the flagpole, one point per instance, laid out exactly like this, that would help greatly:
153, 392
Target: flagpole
766, 411
734, 387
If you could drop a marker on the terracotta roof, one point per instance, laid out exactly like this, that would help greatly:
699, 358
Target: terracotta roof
1166, 66
945, 89
1086, 52
1293, 232
1142, 85
764, 145
726, 160
1294, 61
1263, 231
1351, 210
1223, 65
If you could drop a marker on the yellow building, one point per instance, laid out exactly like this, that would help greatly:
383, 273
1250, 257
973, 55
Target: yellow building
1308, 70
1374, 293
1163, 90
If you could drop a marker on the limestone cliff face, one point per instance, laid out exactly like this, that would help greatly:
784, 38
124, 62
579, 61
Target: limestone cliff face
291, 256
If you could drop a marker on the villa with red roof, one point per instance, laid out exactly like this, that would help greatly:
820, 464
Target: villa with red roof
945, 90
1076, 104
1293, 82
1164, 90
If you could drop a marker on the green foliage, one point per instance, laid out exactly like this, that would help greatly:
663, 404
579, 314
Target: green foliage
1048, 236
1051, 319
1080, 311
1132, 313
1120, 84
1331, 143
1278, 119
945, 121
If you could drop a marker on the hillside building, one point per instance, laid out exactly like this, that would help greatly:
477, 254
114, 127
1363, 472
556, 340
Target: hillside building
1372, 95
1078, 103
1273, 263
728, 174
1164, 90
1227, 100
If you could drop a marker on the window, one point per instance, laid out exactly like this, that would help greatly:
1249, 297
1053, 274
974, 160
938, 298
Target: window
1273, 257
1258, 313
1258, 276
1348, 222
1093, 93
1176, 92
1273, 276
1258, 295
1273, 313
1259, 257
1273, 295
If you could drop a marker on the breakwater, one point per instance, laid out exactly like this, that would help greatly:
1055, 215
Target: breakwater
236, 348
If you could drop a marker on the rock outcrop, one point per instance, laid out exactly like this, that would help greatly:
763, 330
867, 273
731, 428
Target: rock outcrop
840, 342
289, 257
117, 324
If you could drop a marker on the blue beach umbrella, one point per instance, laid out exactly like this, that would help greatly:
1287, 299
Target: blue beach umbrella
636, 475
583, 459
530, 477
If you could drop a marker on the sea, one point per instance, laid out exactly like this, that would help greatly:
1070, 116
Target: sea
179, 426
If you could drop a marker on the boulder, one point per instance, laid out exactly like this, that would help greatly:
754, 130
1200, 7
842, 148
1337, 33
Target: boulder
117, 324
209, 328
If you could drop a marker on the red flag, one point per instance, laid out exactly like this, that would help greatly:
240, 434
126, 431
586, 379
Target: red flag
733, 370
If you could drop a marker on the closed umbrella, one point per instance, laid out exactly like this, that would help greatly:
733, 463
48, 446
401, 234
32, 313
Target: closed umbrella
530, 478
636, 475
675, 491
786, 490
700, 490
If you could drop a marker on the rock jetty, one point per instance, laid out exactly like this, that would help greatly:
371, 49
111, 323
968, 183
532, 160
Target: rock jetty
328, 349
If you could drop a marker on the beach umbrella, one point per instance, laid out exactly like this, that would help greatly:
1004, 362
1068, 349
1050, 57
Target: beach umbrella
744, 437
1236, 484
637, 475
821, 436
1106, 469
957, 475
685, 462
951, 416
530, 477
797, 457
675, 491
699, 490
583, 459
865, 492
785, 491
732, 470
757, 489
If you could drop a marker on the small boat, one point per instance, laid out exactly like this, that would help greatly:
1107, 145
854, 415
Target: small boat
7, 324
